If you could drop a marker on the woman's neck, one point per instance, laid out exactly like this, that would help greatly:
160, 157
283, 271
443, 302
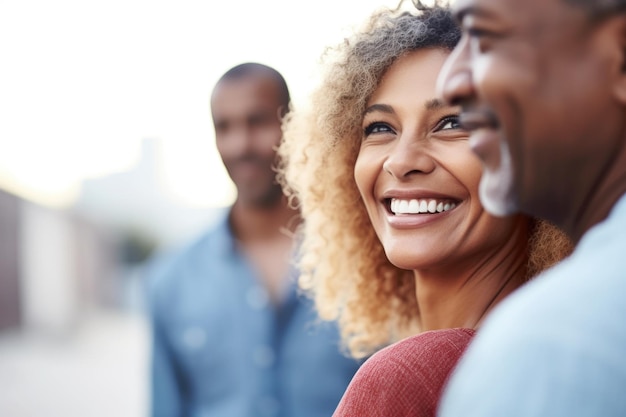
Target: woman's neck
461, 295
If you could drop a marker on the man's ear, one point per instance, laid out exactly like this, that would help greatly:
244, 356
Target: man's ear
619, 33
281, 112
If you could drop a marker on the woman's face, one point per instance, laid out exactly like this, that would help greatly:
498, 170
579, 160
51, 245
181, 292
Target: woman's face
417, 174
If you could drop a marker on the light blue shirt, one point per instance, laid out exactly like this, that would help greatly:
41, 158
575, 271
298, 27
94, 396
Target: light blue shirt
556, 347
221, 348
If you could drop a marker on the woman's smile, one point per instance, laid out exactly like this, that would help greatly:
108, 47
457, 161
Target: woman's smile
400, 207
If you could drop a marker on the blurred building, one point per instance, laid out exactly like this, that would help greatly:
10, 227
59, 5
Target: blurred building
54, 266
135, 208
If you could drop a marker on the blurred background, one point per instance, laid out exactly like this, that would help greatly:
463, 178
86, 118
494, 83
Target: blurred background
106, 160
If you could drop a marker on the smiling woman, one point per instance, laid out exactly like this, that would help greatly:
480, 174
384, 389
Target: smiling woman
415, 158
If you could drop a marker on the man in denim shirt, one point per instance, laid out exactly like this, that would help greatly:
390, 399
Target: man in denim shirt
231, 335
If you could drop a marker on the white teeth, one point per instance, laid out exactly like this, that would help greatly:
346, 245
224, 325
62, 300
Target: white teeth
415, 206
404, 206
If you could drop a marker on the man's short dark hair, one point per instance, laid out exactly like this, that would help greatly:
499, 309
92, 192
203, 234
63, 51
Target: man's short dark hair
254, 68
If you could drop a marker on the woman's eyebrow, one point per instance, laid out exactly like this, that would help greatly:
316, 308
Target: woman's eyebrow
385, 108
434, 104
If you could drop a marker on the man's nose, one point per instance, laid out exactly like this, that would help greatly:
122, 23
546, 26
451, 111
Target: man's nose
454, 84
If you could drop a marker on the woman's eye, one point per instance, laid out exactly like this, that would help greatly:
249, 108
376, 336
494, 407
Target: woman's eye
450, 122
376, 127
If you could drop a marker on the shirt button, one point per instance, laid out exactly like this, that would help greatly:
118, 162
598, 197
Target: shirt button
257, 298
263, 356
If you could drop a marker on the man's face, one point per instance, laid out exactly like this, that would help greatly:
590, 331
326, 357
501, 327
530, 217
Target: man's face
534, 78
246, 116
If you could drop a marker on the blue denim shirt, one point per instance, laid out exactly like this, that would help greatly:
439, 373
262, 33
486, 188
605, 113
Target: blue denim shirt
221, 348
556, 347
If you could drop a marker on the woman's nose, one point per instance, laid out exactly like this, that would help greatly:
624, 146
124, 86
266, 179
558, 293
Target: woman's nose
408, 158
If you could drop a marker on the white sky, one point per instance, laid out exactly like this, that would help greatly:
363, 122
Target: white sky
83, 82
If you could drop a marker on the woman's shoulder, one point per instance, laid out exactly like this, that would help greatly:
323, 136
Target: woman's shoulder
407, 377
423, 353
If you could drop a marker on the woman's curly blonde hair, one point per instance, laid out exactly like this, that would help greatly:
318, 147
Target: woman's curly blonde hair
341, 260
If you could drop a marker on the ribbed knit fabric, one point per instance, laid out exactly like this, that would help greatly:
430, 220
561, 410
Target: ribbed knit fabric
406, 378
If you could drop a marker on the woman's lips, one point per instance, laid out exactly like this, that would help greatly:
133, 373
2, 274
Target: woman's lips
405, 213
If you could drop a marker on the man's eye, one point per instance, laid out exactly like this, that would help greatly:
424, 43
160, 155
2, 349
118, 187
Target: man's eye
476, 32
259, 120
481, 39
221, 127
376, 127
